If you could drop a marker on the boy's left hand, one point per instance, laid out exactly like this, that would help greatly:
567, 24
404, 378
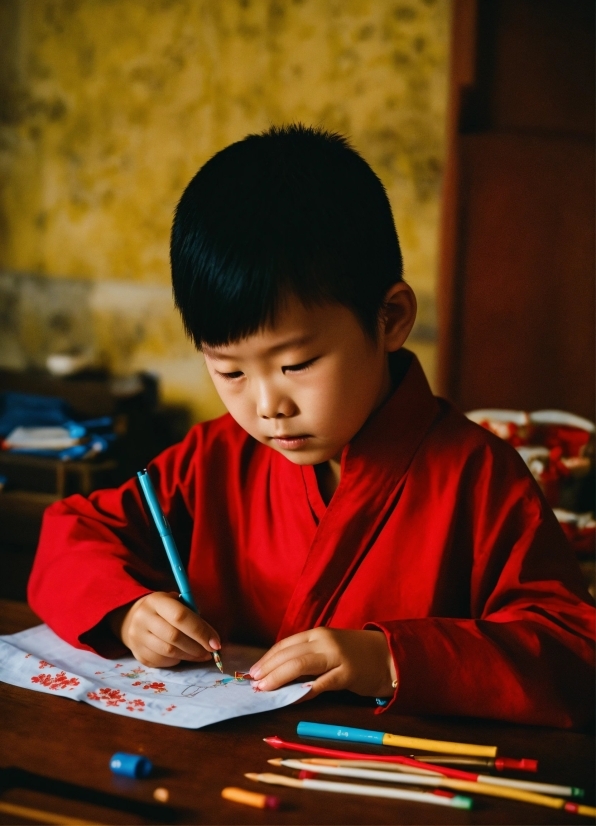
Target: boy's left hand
357, 660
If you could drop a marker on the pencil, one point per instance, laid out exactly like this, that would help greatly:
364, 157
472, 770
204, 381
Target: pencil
408, 764
524, 785
457, 802
459, 785
41, 816
523, 764
413, 765
165, 533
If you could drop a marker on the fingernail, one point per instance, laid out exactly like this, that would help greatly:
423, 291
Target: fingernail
255, 673
215, 643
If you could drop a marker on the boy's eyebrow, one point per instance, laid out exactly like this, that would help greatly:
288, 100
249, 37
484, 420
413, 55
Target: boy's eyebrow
298, 341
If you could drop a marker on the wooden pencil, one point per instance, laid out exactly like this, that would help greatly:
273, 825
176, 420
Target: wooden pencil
41, 816
506, 782
457, 801
444, 782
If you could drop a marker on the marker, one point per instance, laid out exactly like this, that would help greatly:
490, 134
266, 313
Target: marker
379, 738
165, 532
457, 801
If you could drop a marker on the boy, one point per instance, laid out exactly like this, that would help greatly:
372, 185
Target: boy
389, 545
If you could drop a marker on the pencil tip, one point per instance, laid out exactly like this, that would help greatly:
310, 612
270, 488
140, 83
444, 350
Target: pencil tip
275, 761
251, 775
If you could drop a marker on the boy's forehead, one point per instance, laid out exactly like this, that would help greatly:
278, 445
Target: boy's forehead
294, 326
265, 342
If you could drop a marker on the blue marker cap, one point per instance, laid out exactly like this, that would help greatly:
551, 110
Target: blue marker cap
356, 735
130, 765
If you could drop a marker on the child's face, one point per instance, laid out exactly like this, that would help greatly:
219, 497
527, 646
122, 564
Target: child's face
305, 386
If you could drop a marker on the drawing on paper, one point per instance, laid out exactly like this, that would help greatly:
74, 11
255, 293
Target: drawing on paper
189, 695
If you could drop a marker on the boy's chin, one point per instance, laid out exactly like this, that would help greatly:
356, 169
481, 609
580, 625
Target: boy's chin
306, 456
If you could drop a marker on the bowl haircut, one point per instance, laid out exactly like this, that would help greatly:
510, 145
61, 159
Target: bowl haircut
294, 211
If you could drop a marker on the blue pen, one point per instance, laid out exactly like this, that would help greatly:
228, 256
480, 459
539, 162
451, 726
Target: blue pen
165, 532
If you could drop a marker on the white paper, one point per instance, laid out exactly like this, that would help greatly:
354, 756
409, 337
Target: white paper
189, 696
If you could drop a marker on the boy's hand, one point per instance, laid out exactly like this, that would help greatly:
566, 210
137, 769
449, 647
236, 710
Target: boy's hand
161, 631
357, 660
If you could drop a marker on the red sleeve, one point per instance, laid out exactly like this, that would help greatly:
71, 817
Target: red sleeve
526, 652
99, 553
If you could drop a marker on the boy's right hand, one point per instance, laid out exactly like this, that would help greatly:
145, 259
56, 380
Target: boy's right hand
160, 631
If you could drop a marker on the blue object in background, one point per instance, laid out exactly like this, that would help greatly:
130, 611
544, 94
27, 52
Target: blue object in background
130, 765
354, 735
28, 410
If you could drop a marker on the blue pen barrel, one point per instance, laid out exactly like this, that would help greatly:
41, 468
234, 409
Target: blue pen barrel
353, 735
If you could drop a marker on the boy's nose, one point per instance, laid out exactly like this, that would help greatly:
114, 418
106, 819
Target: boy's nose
271, 405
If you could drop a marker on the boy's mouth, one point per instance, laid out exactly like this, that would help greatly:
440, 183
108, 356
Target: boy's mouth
290, 442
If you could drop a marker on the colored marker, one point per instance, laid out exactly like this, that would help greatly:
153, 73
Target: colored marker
379, 738
457, 801
165, 532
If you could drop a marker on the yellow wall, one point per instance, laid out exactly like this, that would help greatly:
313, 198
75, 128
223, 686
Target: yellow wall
112, 105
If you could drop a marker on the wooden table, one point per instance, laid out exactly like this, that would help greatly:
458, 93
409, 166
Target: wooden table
71, 743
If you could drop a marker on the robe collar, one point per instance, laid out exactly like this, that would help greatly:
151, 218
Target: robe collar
372, 467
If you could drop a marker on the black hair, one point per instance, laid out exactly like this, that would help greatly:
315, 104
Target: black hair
292, 211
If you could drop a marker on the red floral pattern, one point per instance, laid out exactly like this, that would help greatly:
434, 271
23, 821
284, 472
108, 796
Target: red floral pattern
115, 698
158, 688
56, 682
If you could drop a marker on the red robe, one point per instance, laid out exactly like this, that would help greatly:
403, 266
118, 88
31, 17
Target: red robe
437, 535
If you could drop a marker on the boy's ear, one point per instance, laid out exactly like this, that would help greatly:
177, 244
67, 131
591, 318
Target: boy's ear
399, 314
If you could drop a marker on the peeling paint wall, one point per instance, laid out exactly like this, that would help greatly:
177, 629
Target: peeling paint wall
108, 107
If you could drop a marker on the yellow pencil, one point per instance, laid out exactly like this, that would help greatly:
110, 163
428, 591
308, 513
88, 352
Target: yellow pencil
41, 816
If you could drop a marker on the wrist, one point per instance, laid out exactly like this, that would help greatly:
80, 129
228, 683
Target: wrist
389, 680
115, 620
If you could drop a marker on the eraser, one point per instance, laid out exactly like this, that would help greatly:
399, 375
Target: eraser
162, 795
130, 765
259, 801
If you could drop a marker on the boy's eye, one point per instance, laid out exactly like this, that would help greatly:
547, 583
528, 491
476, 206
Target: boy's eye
297, 368
230, 376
